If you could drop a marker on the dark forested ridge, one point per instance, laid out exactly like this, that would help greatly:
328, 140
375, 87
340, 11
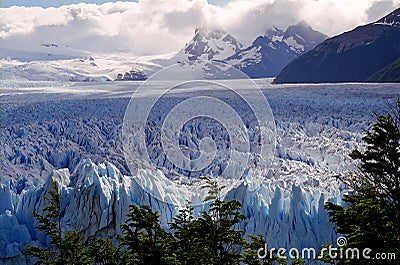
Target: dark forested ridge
355, 56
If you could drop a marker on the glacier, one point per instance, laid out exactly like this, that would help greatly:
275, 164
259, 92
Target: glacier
71, 133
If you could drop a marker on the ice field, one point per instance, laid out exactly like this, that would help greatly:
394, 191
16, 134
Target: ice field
73, 133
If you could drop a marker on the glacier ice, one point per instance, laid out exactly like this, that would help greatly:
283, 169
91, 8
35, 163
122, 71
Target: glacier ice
71, 134
95, 199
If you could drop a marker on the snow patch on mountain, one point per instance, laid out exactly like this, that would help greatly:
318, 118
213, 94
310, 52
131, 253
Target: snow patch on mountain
208, 45
292, 43
393, 19
276, 48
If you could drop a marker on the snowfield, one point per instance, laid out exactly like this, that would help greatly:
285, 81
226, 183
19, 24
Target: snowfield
86, 69
71, 133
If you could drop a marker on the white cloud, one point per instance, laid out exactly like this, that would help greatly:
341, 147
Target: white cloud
160, 26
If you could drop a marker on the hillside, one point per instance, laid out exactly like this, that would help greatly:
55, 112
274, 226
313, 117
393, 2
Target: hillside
353, 56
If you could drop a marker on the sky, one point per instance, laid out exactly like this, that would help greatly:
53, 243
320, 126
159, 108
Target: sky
58, 3
149, 27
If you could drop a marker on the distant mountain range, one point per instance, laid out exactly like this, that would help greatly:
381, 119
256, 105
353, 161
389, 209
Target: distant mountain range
266, 55
369, 53
299, 54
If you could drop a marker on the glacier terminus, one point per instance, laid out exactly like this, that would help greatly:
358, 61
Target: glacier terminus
73, 133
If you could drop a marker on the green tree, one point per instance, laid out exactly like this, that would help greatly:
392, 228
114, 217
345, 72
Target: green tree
371, 216
190, 248
252, 255
73, 249
50, 223
221, 240
145, 240
103, 252
62, 249
213, 238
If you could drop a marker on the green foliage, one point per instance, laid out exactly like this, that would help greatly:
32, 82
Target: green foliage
73, 249
371, 217
210, 238
189, 239
146, 242
325, 255
50, 223
380, 162
250, 255
297, 262
221, 240
103, 252
257, 253
62, 249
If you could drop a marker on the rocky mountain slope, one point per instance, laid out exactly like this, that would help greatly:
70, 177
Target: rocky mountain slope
390, 73
268, 54
209, 45
265, 57
354, 56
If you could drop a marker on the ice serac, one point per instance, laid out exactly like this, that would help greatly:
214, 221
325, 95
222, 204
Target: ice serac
96, 197
44, 138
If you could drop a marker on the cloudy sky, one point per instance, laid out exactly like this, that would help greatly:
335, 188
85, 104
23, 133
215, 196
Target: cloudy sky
162, 26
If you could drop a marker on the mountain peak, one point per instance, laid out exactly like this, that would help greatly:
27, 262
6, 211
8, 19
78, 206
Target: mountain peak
265, 57
273, 31
269, 53
215, 33
307, 33
301, 27
209, 44
302, 24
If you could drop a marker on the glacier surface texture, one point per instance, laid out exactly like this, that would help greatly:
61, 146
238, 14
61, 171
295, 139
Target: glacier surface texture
72, 133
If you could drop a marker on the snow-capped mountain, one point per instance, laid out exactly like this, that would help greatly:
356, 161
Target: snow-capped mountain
205, 46
208, 45
268, 54
265, 57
